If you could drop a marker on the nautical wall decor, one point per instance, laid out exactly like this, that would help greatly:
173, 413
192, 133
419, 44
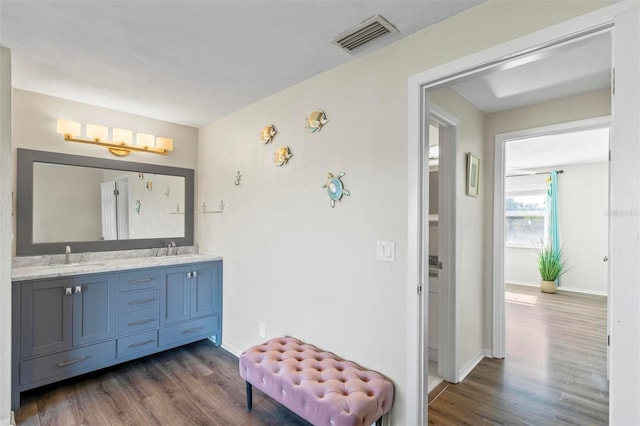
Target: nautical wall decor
335, 188
315, 120
282, 156
267, 133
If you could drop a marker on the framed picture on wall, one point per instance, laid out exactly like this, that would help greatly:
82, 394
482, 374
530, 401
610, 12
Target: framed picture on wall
473, 175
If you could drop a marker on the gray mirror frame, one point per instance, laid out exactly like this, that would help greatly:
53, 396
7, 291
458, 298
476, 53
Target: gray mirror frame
24, 204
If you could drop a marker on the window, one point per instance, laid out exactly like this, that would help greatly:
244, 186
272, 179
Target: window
525, 221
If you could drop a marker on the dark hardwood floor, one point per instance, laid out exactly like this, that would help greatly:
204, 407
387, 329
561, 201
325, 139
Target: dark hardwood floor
197, 384
554, 372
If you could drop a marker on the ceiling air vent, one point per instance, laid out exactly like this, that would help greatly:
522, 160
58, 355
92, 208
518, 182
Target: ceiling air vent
367, 32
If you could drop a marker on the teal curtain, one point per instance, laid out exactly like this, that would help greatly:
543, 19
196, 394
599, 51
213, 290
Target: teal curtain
552, 198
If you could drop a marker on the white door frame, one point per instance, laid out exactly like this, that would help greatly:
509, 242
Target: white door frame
501, 139
418, 86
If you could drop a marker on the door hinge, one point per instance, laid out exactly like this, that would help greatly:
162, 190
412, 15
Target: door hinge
608, 340
419, 288
613, 81
609, 155
116, 192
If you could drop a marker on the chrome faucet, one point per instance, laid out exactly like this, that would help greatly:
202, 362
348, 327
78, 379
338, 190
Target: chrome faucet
67, 252
169, 245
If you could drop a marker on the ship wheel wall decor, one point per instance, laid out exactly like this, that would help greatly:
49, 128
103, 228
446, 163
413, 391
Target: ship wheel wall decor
335, 188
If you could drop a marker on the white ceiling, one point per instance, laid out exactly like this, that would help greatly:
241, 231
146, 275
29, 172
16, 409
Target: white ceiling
575, 68
578, 67
188, 62
563, 149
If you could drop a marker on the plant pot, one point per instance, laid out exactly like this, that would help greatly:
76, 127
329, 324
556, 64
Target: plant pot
548, 286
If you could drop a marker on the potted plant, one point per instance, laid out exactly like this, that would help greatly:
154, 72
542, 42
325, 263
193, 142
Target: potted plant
551, 265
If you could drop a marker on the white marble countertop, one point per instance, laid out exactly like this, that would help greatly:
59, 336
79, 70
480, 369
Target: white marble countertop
90, 266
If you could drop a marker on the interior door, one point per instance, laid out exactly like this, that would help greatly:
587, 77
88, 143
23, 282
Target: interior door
122, 208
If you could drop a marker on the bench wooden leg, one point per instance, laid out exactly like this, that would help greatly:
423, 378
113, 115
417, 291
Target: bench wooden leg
379, 422
249, 396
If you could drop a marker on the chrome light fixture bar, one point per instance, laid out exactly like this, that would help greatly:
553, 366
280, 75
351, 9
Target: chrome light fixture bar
123, 139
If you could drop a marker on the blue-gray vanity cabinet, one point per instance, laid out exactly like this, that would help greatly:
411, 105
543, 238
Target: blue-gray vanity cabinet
45, 317
187, 294
64, 326
94, 308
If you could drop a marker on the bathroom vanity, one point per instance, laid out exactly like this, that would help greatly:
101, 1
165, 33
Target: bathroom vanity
73, 319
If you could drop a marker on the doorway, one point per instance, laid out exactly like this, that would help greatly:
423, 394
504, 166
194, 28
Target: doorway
422, 84
578, 153
440, 231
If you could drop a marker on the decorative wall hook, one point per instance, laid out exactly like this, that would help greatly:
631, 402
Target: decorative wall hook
149, 185
335, 188
204, 210
168, 191
138, 205
238, 178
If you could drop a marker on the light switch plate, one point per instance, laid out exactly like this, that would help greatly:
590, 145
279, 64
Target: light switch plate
386, 251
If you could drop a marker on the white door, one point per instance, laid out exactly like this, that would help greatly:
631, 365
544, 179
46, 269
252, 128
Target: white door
122, 207
624, 252
109, 221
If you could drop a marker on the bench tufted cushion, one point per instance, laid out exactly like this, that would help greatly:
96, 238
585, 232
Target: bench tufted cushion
318, 386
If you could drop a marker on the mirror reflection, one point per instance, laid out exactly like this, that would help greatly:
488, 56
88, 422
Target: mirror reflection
76, 203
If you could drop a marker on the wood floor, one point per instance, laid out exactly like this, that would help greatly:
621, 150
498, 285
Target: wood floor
198, 384
554, 372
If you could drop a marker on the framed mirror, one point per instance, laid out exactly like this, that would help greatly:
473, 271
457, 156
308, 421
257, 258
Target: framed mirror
96, 204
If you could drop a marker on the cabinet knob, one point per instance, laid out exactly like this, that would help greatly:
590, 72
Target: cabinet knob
67, 291
78, 289
194, 274
188, 274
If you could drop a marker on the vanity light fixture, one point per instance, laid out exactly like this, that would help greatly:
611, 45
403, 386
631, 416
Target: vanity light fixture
123, 141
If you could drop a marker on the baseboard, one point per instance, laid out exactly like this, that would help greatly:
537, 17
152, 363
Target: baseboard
562, 287
433, 354
464, 371
583, 291
488, 353
231, 348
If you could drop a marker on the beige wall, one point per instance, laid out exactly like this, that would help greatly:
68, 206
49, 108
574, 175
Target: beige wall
34, 127
290, 260
310, 271
5, 235
571, 108
582, 206
469, 230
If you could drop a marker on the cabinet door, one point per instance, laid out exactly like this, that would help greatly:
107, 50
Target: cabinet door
45, 323
206, 289
174, 295
94, 308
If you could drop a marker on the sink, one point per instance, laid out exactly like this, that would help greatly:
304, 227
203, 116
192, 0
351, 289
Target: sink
177, 257
73, 265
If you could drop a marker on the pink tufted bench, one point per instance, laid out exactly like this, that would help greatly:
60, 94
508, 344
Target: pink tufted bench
318, 386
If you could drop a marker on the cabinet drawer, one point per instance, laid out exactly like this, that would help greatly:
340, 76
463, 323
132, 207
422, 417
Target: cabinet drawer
137, 343
137, 301
189, 331
135, 322
138, 279
66, 362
